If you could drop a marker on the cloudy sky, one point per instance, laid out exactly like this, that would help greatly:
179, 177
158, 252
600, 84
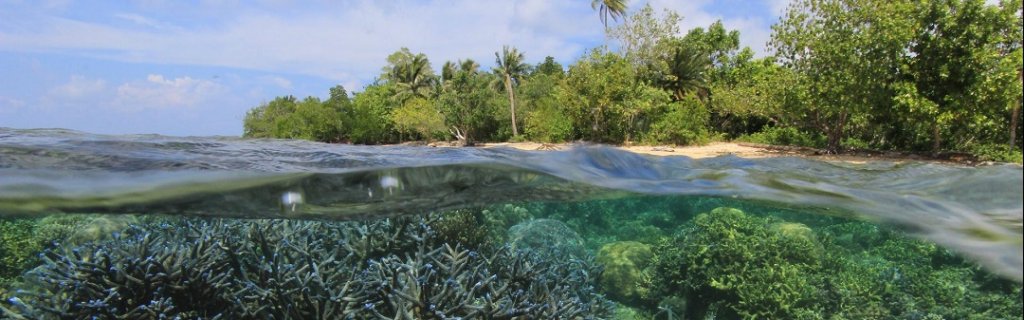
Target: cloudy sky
195, 67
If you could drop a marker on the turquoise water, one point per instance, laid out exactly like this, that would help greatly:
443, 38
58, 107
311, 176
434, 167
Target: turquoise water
208, 227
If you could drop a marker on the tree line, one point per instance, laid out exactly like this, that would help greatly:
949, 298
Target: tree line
935, 75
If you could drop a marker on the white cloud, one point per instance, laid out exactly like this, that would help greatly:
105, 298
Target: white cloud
753, 32
778, 6
8, 104
147, 22
345, 42
78, 88
281, 82
158, 92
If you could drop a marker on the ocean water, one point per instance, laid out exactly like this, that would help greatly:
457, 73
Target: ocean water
149, 226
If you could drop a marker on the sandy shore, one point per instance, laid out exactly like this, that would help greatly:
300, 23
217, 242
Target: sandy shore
705, 151
743, 150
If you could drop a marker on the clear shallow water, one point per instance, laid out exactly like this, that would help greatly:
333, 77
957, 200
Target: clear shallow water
976, 211
794, 253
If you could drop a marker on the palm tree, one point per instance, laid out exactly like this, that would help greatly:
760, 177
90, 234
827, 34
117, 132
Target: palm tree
609, 8
413, 78
687, 72
510, 66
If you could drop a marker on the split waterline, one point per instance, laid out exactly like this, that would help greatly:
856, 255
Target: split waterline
602, 195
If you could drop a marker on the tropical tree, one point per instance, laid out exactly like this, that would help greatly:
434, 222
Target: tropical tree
609, 9
640, 33
687, 72
954, 53
370, 115
465, 99
411, 74
511, 68
846, 53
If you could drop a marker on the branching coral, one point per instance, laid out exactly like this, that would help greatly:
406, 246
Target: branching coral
726, 255
264, 269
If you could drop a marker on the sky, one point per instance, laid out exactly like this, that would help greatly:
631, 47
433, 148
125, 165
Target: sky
193, 68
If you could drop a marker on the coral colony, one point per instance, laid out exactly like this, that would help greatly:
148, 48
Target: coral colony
653, 261
220, 269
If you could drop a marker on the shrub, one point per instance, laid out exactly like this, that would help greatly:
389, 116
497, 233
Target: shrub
685, 124
997, 152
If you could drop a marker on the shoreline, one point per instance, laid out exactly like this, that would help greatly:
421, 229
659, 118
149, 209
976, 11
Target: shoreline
750, 150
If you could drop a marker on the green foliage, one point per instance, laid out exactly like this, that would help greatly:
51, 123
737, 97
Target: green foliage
920, 75
684, 124
370, 115
410, 74
465, 101
548, 67
845, 52
686, 71
641, 32
786, 136
547, 123
866, 74
996, 152
605, 101
309, 119
418, 118
751, 95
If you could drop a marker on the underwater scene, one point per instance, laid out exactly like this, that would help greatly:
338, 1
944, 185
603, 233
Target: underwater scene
155, 227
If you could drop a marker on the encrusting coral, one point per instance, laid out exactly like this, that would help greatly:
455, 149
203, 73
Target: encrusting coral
277, 269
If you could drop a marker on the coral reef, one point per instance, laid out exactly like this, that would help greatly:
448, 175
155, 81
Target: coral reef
624, 263
734, 265
276, 269
18, 248
729, 256
499, 218
547, 237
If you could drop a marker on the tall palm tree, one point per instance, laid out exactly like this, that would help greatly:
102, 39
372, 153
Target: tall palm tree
609, 8
510, 66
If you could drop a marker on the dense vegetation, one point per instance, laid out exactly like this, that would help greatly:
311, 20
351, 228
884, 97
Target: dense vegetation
935, 76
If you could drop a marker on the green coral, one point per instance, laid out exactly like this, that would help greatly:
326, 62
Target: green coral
760, 271
624, 263
878, 273
18, 249
21, 240
463, 226
500, 218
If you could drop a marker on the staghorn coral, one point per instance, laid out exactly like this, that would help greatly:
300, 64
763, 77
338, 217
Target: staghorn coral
277, 269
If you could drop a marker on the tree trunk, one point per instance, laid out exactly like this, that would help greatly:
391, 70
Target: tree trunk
511, 103
835, 135
936, 138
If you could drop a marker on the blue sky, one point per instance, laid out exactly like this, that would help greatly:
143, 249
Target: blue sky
195, 67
